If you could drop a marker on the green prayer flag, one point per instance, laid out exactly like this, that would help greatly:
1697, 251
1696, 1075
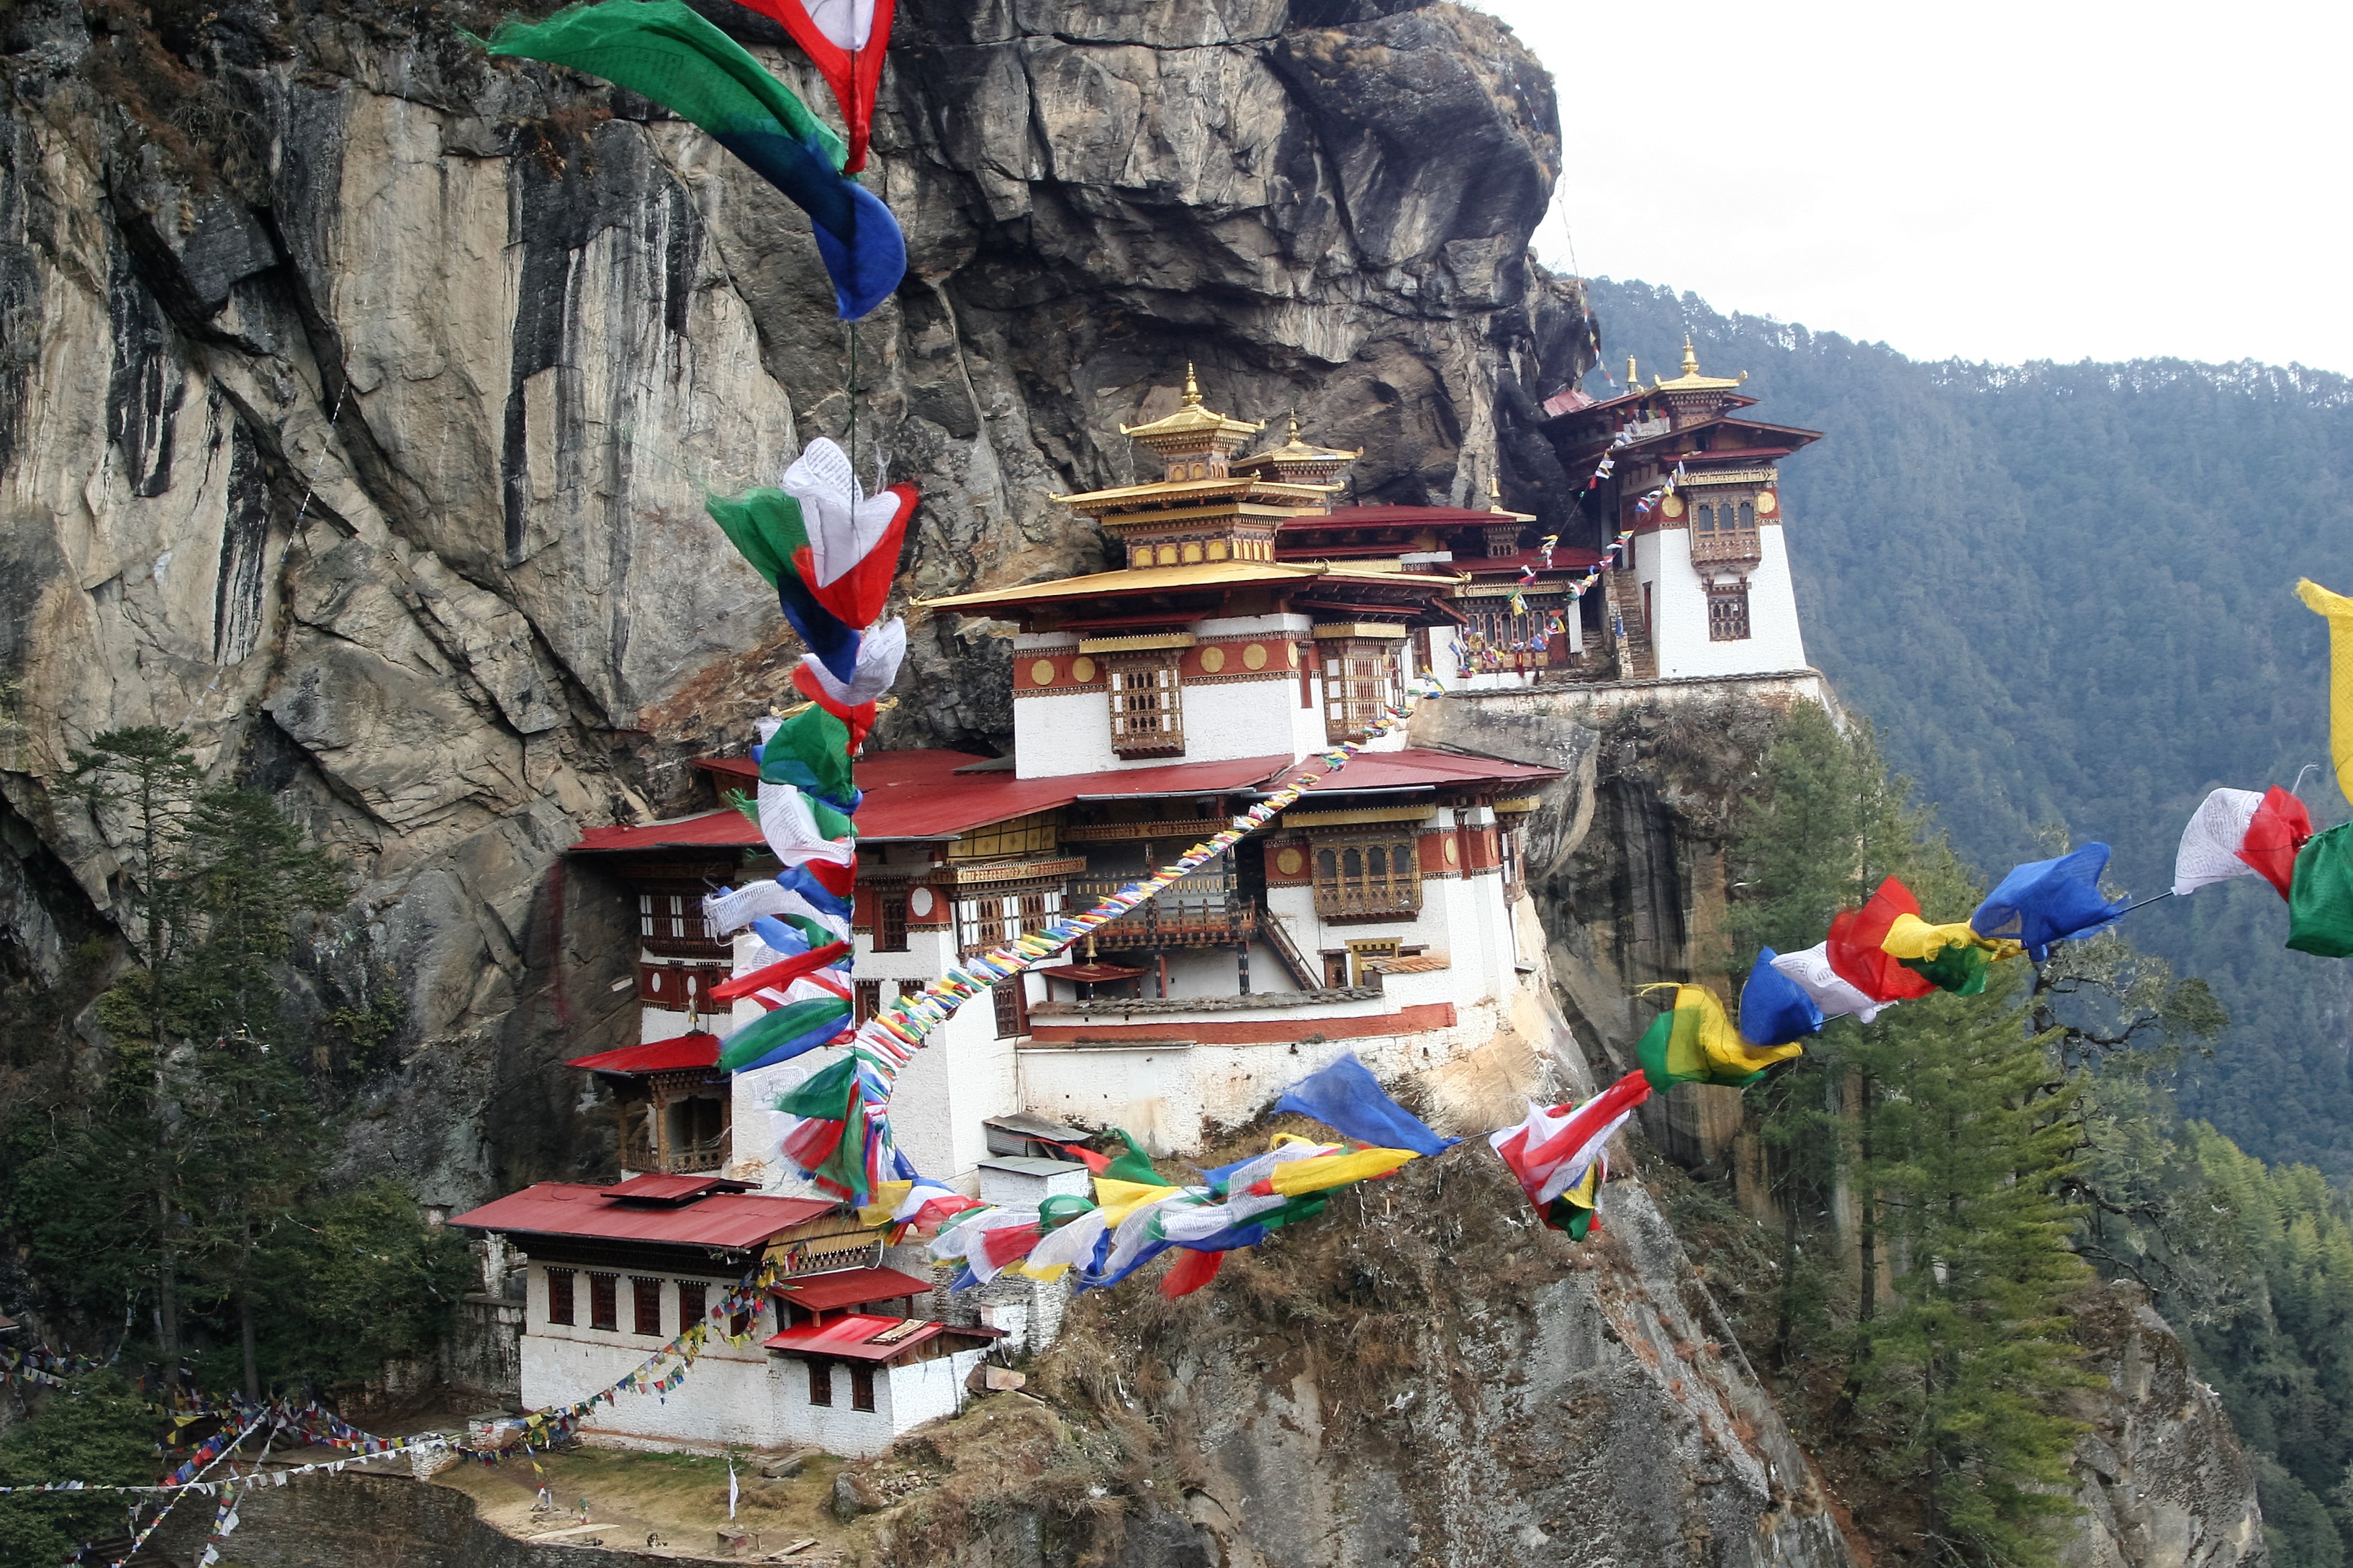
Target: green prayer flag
764, 526
1136, 1165
2320, 898
763, 1035
1958, 968
810, 752
827, 1094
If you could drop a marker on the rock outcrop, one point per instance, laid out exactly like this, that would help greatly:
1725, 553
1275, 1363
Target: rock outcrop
2162, 1480
358, 396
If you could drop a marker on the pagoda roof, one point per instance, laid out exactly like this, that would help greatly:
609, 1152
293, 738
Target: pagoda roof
1691, 381
1191, 420
1239, 488
1294, 450
1565, 558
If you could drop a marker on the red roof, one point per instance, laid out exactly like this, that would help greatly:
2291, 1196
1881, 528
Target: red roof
738, 1222
922, 795
1417, 768
654, 1189
663, 1056
852, 1336
849, 1288
729, 829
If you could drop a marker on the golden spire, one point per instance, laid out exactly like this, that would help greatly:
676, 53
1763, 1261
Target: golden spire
1633, 380
1192, 387
1691, 357
1294, 427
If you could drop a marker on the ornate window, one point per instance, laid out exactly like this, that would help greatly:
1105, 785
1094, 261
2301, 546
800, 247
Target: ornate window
1727, 610
645, 1307
993, 919
1012, 1008
1369, 877
862, 1377
1361, 677
1147, 715
1725, 530
820, 1383
694, 1301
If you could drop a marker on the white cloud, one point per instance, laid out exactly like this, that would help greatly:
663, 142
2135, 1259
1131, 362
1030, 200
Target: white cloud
1999, 181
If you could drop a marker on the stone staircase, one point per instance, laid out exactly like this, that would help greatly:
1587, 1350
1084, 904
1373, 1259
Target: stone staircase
1637, 659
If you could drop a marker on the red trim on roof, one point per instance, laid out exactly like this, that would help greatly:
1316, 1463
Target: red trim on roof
738, 1222
726, 829
1414, 768
674, 1055
1377, 516
847, 1287
848, 1337
1564, 560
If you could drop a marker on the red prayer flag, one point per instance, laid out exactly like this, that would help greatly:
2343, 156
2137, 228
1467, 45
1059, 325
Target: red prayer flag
780, 974
1190, 1272
853, 73
2277, 831
1854, 951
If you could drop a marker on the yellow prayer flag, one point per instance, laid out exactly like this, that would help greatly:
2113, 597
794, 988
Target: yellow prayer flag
888, 1197
1322, 1173
1700, 1021
2339, 611
1119, 1199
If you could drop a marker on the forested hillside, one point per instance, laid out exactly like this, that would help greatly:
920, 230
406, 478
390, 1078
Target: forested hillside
2063, 594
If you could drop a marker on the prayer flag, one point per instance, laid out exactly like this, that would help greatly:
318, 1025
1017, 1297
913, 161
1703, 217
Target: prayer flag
2338, 609
1347, 1098
846, 40
853, 538
2320, 902
1855, 952
1774, 1008
1810, 969
2211, 842
2045, 901
662, 50
1693, 1042
2276, 834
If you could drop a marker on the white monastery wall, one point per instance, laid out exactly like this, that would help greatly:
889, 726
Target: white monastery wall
657, 1024
1171, 1094
1679, 610
733, 1395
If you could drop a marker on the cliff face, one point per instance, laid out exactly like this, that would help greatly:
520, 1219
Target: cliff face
357, 399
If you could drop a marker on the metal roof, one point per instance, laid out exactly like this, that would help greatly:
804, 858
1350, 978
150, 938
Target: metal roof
1417, 768
847, 1287
852, 1337
738, 1222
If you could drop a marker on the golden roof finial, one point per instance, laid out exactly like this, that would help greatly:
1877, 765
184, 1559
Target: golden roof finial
1294, 427
1633, 378
1192, 387
1494, 487
1691, 357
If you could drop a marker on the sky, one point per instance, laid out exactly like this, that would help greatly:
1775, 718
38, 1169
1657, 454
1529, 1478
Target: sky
2068, 180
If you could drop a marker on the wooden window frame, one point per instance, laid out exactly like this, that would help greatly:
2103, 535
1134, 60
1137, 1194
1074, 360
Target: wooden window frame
1147, 704
1010, 999
1362, 676
604, 1302
562, 1301
1341, 895
693, 1302
866, 999
1727, 611
891, 920
820, 1383
644, 1306
861, 1385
